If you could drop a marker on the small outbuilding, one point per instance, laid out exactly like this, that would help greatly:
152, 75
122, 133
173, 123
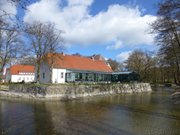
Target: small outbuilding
20, 73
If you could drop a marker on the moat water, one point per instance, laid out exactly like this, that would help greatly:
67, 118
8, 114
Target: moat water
129, 114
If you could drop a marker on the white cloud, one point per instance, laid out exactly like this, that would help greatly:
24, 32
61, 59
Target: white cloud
126, 24
123, 56
6, 7
117, 45
80, 2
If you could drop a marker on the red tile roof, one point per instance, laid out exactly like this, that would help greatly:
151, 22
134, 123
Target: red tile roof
77, 62
16, 69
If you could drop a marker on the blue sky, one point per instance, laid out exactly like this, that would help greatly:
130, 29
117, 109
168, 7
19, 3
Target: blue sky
148, 5
113, 28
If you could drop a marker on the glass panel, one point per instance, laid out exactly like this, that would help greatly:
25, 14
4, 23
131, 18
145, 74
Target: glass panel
70, 77
90, 77
83, 77
77, 77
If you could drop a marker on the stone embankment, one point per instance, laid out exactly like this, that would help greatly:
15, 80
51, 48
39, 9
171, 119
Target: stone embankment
72, 91
176, 97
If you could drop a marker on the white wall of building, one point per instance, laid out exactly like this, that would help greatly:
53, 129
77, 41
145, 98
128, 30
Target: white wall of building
27, 77
58, 75
20, 78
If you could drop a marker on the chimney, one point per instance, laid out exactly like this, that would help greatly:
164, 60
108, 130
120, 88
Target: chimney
63, 53
108, 65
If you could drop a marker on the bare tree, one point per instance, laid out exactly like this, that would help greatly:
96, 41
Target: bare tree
167, 29
26, 60
5, 15
141, 62
114, 65
43, 38
20, 3
10, 46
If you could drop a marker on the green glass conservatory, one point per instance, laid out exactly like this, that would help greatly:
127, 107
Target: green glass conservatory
87, 76
95, 76
125, 76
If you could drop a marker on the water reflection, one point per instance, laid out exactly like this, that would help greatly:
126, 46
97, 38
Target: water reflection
42, 119
145, 114
16, 117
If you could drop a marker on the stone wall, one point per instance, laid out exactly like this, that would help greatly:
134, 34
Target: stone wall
72, 91
176, 97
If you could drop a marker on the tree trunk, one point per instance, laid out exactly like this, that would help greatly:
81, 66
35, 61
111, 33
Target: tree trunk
51, 68
175, 80
38, 71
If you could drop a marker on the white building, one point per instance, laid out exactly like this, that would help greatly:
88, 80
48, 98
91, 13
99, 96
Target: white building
20, 73
61, 68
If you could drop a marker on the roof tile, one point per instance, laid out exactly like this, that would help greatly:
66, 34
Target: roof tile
16, 69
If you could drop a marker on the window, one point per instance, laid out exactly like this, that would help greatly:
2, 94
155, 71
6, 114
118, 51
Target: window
43, 75
76, 76
62, 75
90, 77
